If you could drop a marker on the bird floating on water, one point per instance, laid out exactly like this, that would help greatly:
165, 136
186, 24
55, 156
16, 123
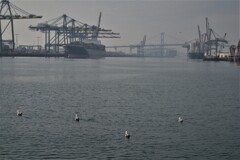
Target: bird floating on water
19, 113
76, 117
127, 135
180, 119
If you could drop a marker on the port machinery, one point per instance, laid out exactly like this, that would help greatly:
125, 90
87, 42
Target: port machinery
211, 40
64, 30
8, 13
208, 44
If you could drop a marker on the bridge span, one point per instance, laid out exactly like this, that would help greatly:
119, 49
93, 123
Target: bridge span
147, 45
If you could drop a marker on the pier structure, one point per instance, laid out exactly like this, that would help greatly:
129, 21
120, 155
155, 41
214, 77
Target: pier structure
8, 13
64, 30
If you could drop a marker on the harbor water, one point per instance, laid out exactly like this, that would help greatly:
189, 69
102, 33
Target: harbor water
144, 96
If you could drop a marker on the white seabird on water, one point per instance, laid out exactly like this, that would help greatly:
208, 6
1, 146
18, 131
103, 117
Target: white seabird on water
76, 117
180, 119
19, 113
127, 135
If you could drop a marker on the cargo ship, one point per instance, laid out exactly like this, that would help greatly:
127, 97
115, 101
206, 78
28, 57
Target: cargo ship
88, 45
85, 49
196, 55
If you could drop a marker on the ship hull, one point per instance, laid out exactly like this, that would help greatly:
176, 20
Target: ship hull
196, 55
77, 51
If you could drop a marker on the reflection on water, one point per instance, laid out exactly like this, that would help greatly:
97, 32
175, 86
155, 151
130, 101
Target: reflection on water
112, 95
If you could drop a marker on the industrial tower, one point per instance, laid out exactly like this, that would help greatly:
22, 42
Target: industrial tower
10, 12
65, 30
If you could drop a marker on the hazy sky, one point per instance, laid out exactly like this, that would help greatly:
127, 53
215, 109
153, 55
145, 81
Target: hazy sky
133, 19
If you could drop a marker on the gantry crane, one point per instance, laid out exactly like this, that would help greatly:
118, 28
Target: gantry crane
207, 43
10, 12
64, 30
212, 41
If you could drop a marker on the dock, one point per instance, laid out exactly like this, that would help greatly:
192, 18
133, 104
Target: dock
56, 55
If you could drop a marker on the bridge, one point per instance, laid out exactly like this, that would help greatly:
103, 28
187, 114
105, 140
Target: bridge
141, 47
147, 45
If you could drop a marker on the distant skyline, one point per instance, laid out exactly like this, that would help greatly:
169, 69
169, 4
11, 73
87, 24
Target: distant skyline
134, 19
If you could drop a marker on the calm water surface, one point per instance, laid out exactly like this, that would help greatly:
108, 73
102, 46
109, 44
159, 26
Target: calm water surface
144, 96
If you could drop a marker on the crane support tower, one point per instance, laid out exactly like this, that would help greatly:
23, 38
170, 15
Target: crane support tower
8, 13
65, 30
162, 43
140, 48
